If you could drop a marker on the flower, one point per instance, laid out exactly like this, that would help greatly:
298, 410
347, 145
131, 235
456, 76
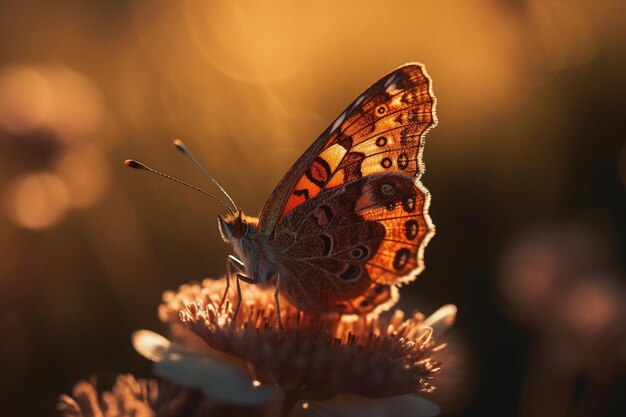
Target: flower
311, 360
129, 397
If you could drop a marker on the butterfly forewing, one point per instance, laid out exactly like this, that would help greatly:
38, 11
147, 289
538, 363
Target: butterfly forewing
381, 131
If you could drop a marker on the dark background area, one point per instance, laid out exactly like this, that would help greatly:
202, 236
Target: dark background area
527, 170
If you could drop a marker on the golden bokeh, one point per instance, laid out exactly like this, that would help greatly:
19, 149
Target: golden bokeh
24, 99
38, 97
37, 200
85, 171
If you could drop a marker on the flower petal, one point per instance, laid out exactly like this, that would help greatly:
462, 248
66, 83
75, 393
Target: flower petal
441, 320
155, 347
215, 379
354, 406
150, 345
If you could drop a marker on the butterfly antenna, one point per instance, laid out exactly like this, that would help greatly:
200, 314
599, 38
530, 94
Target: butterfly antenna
183, 149
138, 165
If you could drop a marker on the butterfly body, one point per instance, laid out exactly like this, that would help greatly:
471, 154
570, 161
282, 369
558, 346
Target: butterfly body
349, 221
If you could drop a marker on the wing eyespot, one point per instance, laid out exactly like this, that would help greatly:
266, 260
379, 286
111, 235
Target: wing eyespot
403, 161
409, 204
381, 141
388, 189
402, 258
411, 228
386, 163
360, 253
381, 110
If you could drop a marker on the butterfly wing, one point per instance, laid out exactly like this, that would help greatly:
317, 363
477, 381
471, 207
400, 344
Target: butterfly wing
348, 246
381, 131
350, 219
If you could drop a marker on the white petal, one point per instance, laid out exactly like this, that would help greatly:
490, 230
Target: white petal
155, 347
441, 320
355, 406
150, 345
217, 380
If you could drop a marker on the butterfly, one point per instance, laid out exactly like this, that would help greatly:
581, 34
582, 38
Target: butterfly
348, 223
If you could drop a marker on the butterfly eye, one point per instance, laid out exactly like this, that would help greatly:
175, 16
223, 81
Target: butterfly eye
239, 227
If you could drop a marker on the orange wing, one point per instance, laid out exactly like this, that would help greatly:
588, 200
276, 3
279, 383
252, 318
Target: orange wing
381, 131
345, 249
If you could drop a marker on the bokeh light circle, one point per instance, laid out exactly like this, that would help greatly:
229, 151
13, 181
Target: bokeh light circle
36, 200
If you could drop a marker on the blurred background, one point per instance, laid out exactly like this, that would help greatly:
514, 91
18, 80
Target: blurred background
527, 169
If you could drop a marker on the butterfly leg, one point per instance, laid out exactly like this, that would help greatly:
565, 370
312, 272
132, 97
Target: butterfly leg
280, 320
241, 277
233, 266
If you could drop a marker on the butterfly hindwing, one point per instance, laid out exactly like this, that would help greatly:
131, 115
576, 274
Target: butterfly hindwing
354, 243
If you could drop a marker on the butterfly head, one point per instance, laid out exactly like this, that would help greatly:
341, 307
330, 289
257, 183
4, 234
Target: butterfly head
233, 227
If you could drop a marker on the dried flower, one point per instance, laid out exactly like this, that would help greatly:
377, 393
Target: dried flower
130, 397
312, 359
